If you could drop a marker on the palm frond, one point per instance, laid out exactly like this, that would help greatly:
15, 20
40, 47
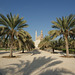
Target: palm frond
22, 22
54, 33
53, 26
72, 24
56, 24
3, 22
59, 21
22, 26
5, 39
70, 18
4, 18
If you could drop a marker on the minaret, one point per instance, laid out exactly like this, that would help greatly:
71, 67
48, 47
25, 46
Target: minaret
35, 35
41, 36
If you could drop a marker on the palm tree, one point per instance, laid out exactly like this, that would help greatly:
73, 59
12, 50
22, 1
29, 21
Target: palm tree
53, 45
45, 43
29, 44
10, 27
1, 42
71, 43
26, 41
72, 35
63, 26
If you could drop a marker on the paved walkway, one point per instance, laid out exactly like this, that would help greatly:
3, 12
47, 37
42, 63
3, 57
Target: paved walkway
36, 62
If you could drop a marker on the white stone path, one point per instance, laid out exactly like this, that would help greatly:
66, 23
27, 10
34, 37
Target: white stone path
36, 63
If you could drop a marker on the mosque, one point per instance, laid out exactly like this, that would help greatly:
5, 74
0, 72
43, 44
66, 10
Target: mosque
38, 38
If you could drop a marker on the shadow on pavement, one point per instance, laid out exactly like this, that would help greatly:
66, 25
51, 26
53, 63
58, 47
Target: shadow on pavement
39, 66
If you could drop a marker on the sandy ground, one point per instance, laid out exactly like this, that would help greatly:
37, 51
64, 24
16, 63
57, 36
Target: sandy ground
36, 62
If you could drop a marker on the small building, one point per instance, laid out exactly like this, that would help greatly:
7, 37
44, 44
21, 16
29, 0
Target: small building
38, 38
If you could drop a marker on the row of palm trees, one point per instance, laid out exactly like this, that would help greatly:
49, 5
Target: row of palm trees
12, 28
62, 26
48, 44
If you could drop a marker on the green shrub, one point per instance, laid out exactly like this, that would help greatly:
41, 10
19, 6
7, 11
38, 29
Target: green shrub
70, 50
3, 49
58, 48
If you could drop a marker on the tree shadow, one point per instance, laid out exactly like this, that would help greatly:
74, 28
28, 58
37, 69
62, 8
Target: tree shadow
62, 53
29, 67
36, 51
57, 71
37, 66
0, 73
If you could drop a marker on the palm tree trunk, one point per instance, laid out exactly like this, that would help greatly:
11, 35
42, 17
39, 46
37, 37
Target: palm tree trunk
53, 50
11, 52
23, 50
66, 41
19, 45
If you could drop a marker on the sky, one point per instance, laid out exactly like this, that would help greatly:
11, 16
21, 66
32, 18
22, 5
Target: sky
38, 13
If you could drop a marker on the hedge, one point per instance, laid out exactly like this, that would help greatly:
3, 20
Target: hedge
70, 50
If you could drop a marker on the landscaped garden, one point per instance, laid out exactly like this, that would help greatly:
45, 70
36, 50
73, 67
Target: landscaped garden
18, 55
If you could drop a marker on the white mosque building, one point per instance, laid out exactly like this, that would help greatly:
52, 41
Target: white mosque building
38, 38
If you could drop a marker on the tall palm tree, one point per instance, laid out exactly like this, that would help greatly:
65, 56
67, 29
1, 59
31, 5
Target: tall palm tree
53, 45
24, 42
29, 44
10, 25
45, 43
72, 35
63, 26
71, 43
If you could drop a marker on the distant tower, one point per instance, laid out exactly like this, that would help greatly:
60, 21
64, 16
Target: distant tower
41, 36
35, 35
38, 39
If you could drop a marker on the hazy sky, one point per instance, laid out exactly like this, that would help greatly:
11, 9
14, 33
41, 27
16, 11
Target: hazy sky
38, 13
